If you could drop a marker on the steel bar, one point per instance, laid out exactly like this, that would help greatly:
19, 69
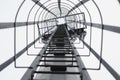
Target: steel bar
112, 28
59, 48
60, 42
59, 56
59, 6
84, 75
28, 74
56, 46
56, 72
57, 60
57, 65
6, 25
115, 29
9, 61
58, 53
106, 65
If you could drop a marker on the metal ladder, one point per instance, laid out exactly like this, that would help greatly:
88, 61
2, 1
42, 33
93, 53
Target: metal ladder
59, 49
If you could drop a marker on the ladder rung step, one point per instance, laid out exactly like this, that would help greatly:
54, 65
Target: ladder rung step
58, 60
60, 38
61, 42
56, 72
57, 65
56, 46
59, 56
57, 50
66, 51
59, 47
58, 53
52, 52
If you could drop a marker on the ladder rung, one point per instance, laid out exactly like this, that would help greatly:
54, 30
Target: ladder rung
59, 47
56, 72
57, 50
57, 65
58, 60
61, 51
60, 38
56, 46
59, 56
61, 42
58, 53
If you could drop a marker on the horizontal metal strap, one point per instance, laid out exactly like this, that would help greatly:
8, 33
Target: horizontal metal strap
58, 48
58, 61
112, 28
6, 25
58, 65
64, 46
59, 56
59, 53
55, 72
